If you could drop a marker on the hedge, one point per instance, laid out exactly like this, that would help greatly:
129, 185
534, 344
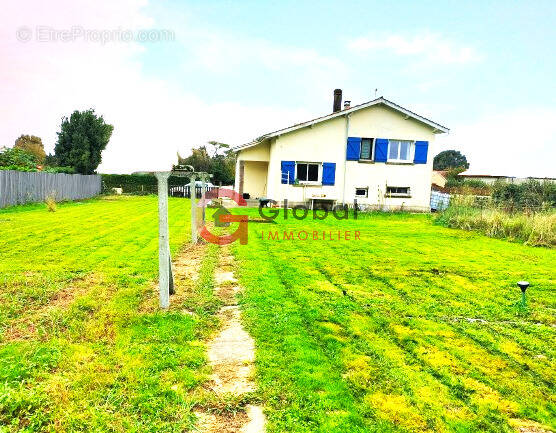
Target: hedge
138, 183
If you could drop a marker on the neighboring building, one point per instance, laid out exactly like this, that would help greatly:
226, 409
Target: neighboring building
439, 178
378, 153
490, 179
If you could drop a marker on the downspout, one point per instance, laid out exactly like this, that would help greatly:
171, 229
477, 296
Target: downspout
345, 159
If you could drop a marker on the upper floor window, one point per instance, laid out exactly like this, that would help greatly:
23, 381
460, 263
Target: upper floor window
400, 150
306, 172
367, 149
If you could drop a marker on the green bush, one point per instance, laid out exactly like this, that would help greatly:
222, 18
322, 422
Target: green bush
15, 157
67, 170
475, 183
531, 195
453, 182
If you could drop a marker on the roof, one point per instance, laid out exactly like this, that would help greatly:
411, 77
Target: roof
436, 126
484, 175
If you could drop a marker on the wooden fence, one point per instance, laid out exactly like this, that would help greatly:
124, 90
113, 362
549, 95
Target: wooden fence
20, 187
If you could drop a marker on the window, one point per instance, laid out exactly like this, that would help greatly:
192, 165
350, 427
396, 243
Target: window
367, 149
361, 192
307, 172
400, 150
398, 191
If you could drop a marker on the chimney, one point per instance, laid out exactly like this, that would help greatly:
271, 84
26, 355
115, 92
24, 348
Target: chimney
347, 105
337, 106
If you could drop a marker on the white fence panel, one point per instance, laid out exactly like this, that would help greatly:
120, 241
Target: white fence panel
20, 187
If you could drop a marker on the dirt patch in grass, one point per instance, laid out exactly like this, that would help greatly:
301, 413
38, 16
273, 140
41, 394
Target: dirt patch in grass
26, 327
226, 422
185, 267
528, 426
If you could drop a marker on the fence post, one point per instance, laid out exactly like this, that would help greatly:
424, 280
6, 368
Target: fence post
203, 194
193, 195
164, 260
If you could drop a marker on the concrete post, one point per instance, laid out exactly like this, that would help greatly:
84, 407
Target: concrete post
164, 267
203, 194
192, 193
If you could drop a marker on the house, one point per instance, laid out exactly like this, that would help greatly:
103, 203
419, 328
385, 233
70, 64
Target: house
439, 178
377, 152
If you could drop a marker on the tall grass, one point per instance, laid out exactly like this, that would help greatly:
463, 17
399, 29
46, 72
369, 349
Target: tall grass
532, 228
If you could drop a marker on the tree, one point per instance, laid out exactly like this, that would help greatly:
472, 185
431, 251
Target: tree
450, 159
199, 159
31, 144
217, 160
81, 140
51, 161
17, 158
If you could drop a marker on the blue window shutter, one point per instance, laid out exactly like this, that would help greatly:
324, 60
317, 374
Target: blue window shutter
381, 150
328, 173
421, 149
288, 168
353, 147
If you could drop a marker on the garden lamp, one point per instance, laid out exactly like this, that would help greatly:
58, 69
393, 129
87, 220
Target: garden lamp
523, 286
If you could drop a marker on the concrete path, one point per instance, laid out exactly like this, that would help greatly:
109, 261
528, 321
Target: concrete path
231, 354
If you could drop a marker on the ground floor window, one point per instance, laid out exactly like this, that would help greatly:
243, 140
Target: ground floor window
398, 191
308, 172
361, 192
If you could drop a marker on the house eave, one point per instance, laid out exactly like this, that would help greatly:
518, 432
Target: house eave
436, 127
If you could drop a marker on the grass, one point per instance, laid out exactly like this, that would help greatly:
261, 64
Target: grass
83, 346
414, 327
536, 229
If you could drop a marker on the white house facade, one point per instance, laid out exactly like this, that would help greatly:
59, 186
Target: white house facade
378, 153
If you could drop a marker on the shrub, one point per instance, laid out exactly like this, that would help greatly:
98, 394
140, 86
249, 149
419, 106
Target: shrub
67, 170
15, 157
475, 183
531, 195
537, 229
51, 203
453, 182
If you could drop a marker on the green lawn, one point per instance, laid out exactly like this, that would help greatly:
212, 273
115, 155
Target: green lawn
378, 334
83, 347
375, 334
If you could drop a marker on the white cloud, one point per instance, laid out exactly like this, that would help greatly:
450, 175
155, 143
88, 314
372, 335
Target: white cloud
515, 143
429, 47
225, 52
42, 81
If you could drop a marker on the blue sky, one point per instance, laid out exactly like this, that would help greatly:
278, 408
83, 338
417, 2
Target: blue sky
236, 70
514, 43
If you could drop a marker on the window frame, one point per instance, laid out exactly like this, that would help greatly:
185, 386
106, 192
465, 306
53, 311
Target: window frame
309, 182
366, 189
398, 194
411, 152
372, 155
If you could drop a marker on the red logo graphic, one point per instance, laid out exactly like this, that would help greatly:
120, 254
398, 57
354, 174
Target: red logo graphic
223, 218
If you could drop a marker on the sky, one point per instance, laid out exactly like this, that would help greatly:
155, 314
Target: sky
172, 75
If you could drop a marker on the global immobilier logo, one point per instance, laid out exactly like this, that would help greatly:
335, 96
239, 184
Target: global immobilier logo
223, 218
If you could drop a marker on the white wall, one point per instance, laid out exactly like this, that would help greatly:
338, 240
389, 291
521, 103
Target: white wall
326, 142
255, 178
